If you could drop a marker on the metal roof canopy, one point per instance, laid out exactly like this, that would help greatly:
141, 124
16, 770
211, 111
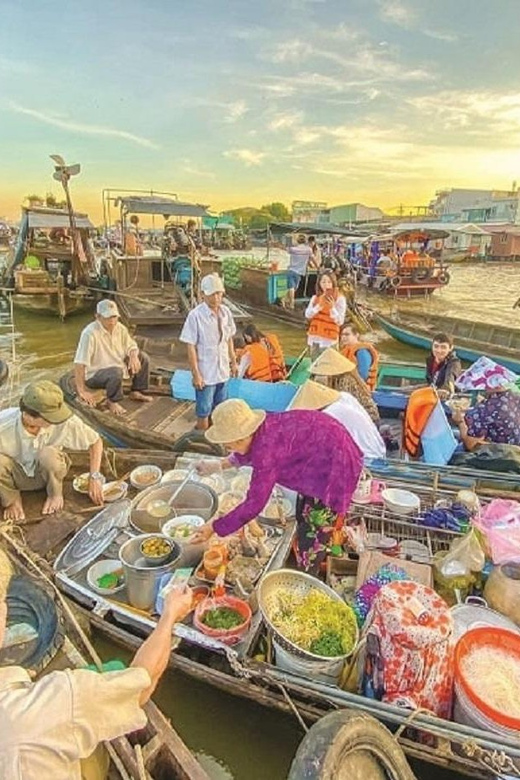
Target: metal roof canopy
317, 229
56, 220
165, 206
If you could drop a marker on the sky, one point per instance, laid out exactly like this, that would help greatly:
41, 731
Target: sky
241, 102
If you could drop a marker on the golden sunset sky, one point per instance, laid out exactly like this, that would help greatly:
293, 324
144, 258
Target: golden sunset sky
242, 103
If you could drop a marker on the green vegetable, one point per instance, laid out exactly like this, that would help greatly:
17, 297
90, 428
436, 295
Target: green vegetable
222, 617
111, 580
329, 644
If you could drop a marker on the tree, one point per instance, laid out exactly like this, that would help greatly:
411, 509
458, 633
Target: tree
278, 211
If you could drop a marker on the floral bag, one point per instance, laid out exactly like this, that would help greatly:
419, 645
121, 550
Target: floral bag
408, 649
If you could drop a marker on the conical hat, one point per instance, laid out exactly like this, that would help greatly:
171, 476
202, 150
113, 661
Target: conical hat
312, 395
332, 363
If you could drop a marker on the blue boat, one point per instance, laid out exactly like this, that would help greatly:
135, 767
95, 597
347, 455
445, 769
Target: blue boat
472, 339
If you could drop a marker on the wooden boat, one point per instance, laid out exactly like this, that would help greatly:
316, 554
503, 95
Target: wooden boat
243, 672
157, 751
417, 273
472, 338
52, 271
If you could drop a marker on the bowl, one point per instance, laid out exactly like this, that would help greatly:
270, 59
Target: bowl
145, 476
182, 528
174, 475
229, 501
114, 491
402, 502
156, 549
100, 569
160, 508
80, 483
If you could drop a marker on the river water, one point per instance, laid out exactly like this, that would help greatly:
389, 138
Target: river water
234, 738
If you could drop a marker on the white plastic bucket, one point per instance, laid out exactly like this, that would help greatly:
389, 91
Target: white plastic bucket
465, 712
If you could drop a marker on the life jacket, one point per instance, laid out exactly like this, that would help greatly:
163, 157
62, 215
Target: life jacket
350, 352
408, 657
276, 358
420, 406
260, 366
322, 324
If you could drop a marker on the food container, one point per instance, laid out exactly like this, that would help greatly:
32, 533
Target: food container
401, 502
411, 550
271, 512
81, 483
145, 476
114, 491
100, 569
470, 615
502, 590
212, 562
174, 529
228, 636
156, 549
193, 498
229, 501
142, 581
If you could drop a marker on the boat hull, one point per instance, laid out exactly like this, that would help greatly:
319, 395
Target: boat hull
49, 304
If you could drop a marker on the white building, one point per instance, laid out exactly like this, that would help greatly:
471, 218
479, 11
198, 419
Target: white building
468, 205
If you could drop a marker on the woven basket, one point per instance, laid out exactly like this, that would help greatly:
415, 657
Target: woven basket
300, 584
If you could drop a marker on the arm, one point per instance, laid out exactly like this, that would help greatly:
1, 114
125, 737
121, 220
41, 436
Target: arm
339, 310
154, 652
262, 484
452, 372
198, 381
245, 363
312, 309
232, 357
471, 443
95, 486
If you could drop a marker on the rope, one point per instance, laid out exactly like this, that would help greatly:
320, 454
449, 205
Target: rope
293, 707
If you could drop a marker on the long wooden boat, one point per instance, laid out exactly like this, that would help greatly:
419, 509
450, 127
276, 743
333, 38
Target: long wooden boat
157, 751
241, 671
472, 338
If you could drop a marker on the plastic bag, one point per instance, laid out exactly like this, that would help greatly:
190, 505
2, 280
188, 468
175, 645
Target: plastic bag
500, 524
464, 557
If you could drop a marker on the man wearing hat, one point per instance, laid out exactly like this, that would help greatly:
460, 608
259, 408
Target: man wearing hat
208, 333
305, 451
346, 410
338, 372
32, 438
106, 353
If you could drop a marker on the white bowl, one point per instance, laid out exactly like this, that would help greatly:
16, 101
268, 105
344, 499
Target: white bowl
174, 475
97, 570
114, 491
195, 521
80, 483
402, 502
136, 477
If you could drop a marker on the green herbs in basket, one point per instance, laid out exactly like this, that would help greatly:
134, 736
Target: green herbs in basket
222, 617
316, 623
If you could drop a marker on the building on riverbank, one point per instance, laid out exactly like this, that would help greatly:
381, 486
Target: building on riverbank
469, 205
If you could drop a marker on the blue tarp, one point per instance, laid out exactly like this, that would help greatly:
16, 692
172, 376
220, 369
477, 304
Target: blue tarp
437, 439
259, 395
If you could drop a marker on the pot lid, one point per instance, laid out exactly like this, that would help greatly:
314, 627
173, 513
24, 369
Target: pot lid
93, 538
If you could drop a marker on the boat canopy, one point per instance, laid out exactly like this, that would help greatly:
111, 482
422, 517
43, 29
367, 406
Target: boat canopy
316, 229
42, 220
166, 206
422, 234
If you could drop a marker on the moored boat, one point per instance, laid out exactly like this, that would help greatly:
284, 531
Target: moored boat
240, 670
471, 337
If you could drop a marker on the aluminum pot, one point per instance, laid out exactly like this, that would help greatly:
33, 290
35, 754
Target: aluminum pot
195, 498
142, 580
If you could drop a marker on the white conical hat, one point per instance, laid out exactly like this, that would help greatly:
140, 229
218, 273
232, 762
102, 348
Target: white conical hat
332, 363
312, 395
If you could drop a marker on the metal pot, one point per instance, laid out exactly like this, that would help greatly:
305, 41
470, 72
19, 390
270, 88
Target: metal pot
195, 498
142, 580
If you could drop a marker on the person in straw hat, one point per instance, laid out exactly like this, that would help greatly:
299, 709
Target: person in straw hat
338, 372
53, 728
305, 451
346, 410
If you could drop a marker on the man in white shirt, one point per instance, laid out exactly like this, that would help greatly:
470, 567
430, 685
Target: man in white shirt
32, 438
345, 409
208, 333
106, 353
299, 257
53, 728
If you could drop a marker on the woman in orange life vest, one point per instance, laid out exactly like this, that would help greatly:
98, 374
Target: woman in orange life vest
262, 357
326, 314
362, 353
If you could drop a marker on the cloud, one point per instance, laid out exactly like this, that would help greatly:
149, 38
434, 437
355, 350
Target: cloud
397, 13
441, 35
193, 170
247, 33
235, 111
285, 120
247, 156
289, 51
82, 128
229, 112
16, 67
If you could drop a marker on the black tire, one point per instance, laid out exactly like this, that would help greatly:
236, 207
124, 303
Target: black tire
345, 744
195, 441
444, 277
395, 281
421, 274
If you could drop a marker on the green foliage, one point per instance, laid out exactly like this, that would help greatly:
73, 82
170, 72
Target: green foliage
248, 217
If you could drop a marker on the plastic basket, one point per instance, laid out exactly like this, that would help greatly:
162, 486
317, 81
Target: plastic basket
229, 636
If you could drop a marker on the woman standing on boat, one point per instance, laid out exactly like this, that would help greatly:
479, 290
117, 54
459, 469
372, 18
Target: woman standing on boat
292, 449
262, 357
326, 314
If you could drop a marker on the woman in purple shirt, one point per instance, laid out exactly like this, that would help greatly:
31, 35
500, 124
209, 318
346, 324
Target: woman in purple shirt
305, 451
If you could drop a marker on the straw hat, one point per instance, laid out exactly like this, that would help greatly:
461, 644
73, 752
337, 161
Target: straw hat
312, 395
332, 363
233, 420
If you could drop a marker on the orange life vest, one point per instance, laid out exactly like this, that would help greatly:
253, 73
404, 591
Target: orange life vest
350, 352
322, 324
274, 348
420, 406
260, 365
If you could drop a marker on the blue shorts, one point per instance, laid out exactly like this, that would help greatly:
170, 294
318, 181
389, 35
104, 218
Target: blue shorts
209, 397
293, 280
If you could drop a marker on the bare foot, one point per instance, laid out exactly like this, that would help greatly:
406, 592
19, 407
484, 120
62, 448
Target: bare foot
14, 511
52, 505
115, 408
136, 395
